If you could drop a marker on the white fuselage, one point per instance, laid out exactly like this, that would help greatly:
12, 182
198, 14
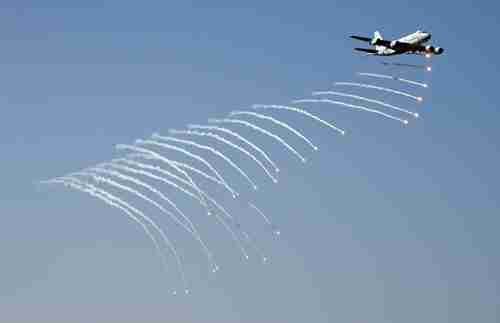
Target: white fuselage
416, 38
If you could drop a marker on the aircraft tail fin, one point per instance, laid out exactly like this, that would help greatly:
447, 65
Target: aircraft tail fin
376, 38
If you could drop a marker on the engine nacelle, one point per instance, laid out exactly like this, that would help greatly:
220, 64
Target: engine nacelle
394, 44
438, 50
430, 49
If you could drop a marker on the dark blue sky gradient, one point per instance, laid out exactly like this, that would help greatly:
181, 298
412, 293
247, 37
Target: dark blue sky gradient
390, 223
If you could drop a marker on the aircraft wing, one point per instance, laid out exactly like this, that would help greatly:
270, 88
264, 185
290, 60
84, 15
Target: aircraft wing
366, 50
361, 38
378, 41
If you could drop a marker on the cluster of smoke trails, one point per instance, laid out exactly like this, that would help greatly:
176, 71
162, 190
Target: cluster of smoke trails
369, 86
246, 236
277, 122
300, 111
108, 181
208, 197
191, 229
225, 141
233, 234
362, 98
181, 165
211, 149
114, 164
238, 136
194, 156
125, 207
162, 179
261, 130
188, 167
383, 76
169, 174
147, 152
357, 107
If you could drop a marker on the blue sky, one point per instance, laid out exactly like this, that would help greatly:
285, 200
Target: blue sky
386, 224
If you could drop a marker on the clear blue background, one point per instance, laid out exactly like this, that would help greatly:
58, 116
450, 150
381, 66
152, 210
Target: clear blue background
387, 224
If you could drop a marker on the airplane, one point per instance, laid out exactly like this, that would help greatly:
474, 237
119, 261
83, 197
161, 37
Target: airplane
409, 44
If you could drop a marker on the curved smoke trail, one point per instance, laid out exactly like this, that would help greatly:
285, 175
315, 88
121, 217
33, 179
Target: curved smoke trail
356, 107
300, 111
151, 175
190, 154
383, 76
114, 164
277, 122
209, 198
240, 137
109, 199
184, 166
261, 130
155, 155
380, 88
151, 189
225, 141
212, 150
180, 165
362, 98
147, 199
273, 227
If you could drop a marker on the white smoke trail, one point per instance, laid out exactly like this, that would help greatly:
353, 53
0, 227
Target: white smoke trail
194, 156
232, 233
110, 182
300, 111
277, 122
260, 213
273, 227
238, 226
114, 164
159, 178
180, 165
240, 137
100, 169
209, 198
212, 150
393, 78
116, 202
369, 86
381, 76
155, 155
225, 141
190, 168
261, 130
357, 107
362, 98
424, 85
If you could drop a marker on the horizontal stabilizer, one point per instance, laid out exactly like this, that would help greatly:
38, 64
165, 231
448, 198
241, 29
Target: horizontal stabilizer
366, 50
361, 38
